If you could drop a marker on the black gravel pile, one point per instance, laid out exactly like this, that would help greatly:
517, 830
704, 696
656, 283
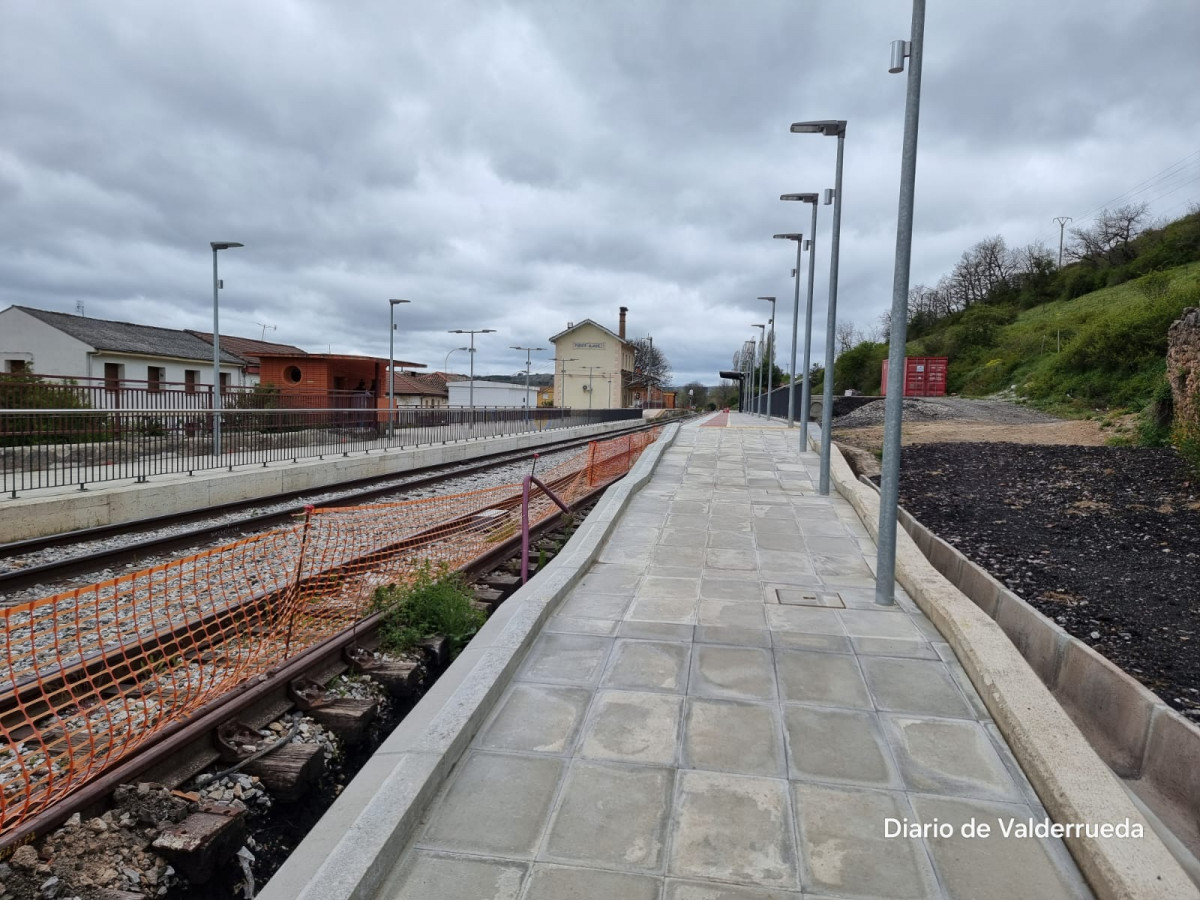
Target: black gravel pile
1104, 540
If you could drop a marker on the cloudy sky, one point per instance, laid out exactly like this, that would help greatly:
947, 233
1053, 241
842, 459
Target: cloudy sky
521, 165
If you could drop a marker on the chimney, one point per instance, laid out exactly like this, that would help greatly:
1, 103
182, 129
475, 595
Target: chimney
621, 330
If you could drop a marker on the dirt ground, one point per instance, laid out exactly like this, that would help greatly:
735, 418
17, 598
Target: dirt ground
1104, 540
1074, 432
957, 420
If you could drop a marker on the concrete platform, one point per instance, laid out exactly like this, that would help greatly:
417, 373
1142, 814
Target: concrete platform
719, 709
704, 702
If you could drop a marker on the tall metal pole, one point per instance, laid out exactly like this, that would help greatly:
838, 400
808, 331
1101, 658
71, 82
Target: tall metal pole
391, 429
561, 398
762, 365
216, 398
769, 377
831, 320
528, 366
392, 304
889, 485
216, 403
471, 381
759, 358
1062, 226
791, 417
806, 389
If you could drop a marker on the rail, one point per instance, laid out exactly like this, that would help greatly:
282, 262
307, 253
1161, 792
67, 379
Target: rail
64, 446
94, 675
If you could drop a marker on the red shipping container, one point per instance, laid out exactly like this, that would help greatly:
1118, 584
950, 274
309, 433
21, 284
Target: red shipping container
924, 376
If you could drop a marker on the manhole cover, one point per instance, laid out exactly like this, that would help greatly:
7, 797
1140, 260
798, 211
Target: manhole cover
799, 597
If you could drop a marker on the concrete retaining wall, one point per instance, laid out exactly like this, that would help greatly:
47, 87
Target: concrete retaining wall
1134, 732
1070, 778
39, 513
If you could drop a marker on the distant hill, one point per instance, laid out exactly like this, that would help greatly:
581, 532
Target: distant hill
1091, 335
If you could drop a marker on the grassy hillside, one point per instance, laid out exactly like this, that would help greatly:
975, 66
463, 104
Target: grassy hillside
1105, 349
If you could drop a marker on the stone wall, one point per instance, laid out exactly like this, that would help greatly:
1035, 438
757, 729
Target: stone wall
1183, 372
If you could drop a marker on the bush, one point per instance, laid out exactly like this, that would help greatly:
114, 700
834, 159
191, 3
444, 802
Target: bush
27, 391
1125, 338
433, 603
1154, 429
1185, 435
1154, 286
860, 367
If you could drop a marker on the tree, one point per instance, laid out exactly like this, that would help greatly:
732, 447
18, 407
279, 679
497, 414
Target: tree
846, 336
699, 394
651, 368
1107, 241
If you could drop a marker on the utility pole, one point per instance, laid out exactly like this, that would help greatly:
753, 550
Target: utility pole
1062, 225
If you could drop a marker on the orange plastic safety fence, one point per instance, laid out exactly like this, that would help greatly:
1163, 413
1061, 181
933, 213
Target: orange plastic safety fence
93, 674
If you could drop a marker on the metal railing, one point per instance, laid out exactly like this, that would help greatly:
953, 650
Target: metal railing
77, 445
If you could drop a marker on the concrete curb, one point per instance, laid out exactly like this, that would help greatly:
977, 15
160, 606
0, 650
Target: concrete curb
1073, 783
1137, 734
354, 846
38, 514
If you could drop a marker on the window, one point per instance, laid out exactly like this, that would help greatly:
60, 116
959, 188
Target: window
292, 374
113, 374
224, 382
191, 378
16, 366
155, 376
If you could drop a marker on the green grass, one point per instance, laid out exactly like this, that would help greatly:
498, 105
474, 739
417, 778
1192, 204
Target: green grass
436, 602
1101, 351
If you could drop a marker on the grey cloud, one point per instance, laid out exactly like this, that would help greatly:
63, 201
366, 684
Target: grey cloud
526, 164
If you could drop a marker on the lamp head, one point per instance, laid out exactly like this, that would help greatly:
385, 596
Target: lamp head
803, 198
827, 127
772, 299
224, 245
789, 237
394, 302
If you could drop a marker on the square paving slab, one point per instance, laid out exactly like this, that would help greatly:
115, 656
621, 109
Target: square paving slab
676, 733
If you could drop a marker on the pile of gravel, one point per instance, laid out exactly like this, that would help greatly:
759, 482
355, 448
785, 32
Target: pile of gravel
914, 411
941, 409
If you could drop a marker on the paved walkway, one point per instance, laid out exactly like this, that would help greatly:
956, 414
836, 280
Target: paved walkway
719, 711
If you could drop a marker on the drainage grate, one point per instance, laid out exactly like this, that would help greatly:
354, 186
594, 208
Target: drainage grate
798, 597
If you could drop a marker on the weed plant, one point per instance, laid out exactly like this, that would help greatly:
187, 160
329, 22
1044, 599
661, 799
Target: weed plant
436, 602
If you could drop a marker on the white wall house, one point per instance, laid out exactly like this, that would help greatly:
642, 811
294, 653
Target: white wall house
491, 393
598, 364
52, 343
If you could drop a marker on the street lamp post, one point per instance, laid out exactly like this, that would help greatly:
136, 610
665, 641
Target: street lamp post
799, 239
591, 372
392, 304
760, 356
829, 128
889, 481
806, 382
561, 398
770, 352
446, 361
528, 366
216, 402
471, 383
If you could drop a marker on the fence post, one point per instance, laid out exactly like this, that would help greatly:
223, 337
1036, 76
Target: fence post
525, 528
294, 594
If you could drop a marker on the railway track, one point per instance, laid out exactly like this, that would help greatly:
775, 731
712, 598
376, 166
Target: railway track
23, 566
112, 681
